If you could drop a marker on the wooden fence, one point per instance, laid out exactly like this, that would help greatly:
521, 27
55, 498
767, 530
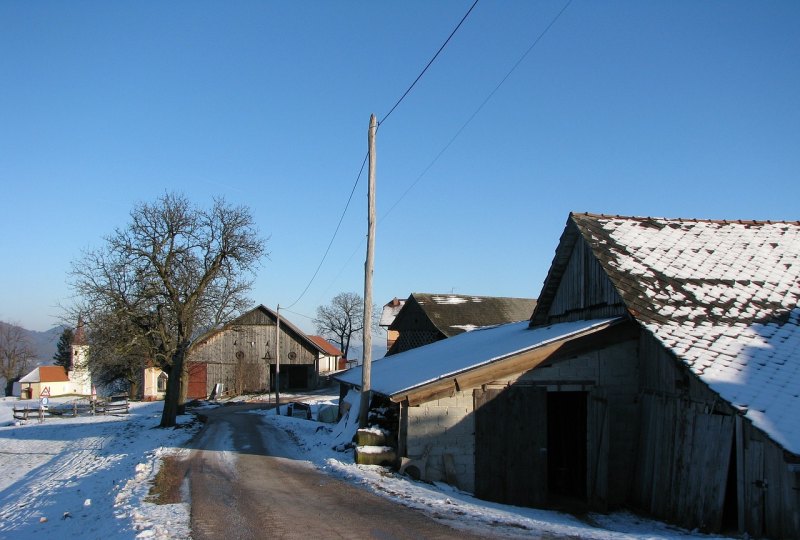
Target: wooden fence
81, 407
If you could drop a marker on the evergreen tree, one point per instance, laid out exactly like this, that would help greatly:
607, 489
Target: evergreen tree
63, 356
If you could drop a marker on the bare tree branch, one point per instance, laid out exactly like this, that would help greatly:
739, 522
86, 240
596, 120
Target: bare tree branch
172, 272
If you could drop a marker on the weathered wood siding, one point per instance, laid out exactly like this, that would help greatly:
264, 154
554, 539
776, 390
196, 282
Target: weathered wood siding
609, 375
511, 456
585, 291
239, 356
688, 437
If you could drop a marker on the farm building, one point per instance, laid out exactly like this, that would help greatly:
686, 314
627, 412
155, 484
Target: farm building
241, 356
660, 371
388, 314
425, 318
331, 358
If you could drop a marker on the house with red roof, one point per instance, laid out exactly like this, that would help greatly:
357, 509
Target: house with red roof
46, 381
330, 358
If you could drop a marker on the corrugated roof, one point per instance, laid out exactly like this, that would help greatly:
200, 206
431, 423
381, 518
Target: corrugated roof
722, 296
454, 314
46, 374
326, 346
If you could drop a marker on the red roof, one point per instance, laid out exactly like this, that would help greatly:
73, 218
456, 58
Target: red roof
326, 346
46, 374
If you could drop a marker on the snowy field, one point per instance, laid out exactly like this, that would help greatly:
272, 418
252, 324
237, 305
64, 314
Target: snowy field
87, 477
90, 478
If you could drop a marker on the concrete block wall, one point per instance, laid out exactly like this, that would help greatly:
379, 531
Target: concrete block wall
446, 426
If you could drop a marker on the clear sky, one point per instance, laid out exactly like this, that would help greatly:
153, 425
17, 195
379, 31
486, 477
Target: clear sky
674, 109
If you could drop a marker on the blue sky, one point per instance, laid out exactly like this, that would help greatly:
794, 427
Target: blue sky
675, 109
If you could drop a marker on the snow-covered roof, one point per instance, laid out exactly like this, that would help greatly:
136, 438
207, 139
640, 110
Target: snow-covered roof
454, 314
390, 311
447, 358
723, 297
46, 374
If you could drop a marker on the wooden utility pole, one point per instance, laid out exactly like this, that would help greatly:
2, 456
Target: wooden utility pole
278, 362
366, 366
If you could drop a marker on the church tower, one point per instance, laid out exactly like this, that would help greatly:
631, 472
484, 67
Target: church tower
79, 373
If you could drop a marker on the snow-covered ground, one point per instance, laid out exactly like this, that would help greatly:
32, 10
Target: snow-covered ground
444, 503
90, 478
87, 477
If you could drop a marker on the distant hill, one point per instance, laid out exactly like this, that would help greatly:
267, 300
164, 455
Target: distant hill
44, 343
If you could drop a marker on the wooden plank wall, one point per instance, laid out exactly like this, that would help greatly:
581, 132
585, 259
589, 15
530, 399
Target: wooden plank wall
585, 292
238, 355
687, 433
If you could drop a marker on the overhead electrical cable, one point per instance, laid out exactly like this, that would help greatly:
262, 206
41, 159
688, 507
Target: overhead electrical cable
360, 172
327, 250
464, 18
460, 130
478, 110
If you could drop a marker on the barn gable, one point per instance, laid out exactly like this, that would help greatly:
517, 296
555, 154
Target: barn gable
426, 318
722, 296
576, 287
240, 356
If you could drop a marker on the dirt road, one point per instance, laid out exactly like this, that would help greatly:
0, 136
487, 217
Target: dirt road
240, 489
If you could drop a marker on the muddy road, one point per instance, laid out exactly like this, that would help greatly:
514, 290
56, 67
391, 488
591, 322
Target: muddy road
242, 488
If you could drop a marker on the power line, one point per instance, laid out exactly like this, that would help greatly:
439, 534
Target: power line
478, 110
324, 256
460, 130
430, 62
298, 314
363, 163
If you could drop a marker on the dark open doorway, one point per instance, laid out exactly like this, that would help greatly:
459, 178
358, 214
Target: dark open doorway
566, 445
293, 377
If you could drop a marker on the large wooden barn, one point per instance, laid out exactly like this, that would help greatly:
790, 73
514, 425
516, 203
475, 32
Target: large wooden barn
425, 318
241, 356
660, 371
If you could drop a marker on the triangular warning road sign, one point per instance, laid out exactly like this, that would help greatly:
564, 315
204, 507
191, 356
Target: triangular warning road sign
45, 392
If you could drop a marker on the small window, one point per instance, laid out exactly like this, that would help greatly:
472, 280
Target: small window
161, 384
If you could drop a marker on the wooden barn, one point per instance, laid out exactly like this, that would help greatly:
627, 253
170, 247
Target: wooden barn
241, 356
660, 371
425, 318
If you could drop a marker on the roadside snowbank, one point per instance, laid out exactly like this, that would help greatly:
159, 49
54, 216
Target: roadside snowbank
325, 446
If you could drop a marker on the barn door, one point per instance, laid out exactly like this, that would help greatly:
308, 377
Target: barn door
511, 445
198, 377
700, 471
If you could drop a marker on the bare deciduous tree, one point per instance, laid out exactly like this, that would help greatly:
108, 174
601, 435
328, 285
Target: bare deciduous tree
16, 354
172, 272
342, 318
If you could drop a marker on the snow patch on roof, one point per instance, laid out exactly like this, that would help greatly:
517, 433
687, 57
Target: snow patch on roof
724, 297
452, 299
465, 327
446, 358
